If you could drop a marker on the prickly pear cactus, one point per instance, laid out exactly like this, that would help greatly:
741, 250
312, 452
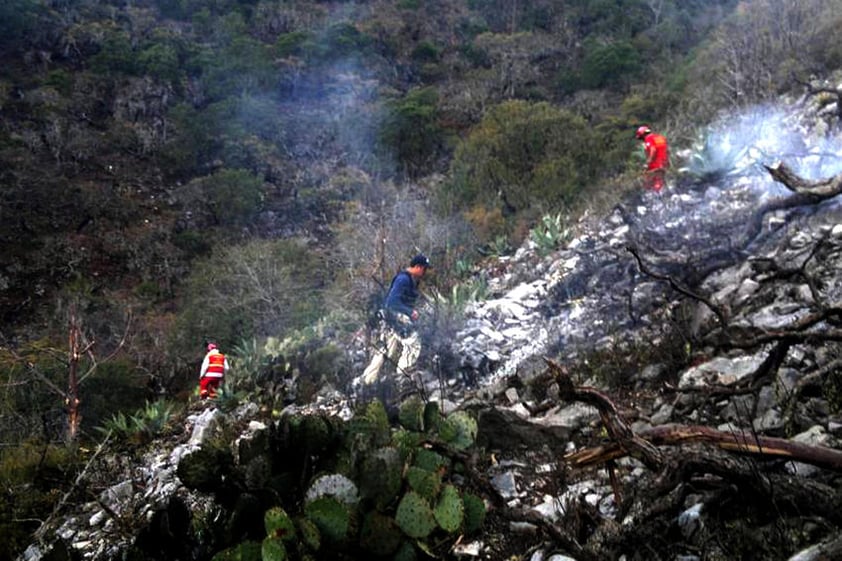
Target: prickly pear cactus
459, 430
380, 477
449, 511
334, 485
474, 512
246, 551
278, 524
430, 461
406, 552
432, 416
414, 516
380, 535
375, 413
411, 414
313, 433
273, 549
406, 442
309, 533
424, 482
331, 517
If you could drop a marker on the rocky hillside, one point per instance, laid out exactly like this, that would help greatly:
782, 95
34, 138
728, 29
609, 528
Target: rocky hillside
664, 384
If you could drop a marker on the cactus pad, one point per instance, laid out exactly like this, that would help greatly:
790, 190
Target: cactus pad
414, 516
429, 460
380, 535
425, 483
334, 485
449, 511
309, 533
432, 416
474, 512
278, 524
405, 553
380, 477
459, 429
273, 549
330, 516
411, 414
246, 551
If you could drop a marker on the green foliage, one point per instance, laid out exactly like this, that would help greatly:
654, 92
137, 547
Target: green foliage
411, 130
425, 483
460, 295
474, 512
609, 64
34, 475
411, 414
523, 156
116, 54
381, 476
246, 551
161, 61
497, 247
309, 533
278, 524
430, 461
459, 429
205, 468
232, 196
425, 52
449, 511
331, 517
414, 516
18, 18
550, 234
291, 44
273, 549
144, 425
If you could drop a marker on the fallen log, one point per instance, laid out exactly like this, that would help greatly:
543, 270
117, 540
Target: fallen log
739, 442
814, 191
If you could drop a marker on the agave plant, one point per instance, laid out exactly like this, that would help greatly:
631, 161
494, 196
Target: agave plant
550, 234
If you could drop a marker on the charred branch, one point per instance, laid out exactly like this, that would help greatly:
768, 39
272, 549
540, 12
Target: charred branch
681, 289
807, 191
617, 428
738, 442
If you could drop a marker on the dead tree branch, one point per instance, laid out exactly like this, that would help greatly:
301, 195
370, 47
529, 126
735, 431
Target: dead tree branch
678, 287
622, 434
811, 191
739, 442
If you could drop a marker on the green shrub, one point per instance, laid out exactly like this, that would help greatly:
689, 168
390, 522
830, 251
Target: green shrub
425, 52
411, 130
521, 158
609, 64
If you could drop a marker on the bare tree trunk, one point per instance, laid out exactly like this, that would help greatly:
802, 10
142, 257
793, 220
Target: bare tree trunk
74, 418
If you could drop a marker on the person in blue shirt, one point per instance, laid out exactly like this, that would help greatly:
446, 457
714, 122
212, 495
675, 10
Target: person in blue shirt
401, 344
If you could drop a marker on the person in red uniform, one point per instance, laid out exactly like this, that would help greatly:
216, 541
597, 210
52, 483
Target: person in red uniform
657, 158
214, 368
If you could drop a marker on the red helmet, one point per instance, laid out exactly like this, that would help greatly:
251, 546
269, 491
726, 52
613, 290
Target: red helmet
211, 346
642, 131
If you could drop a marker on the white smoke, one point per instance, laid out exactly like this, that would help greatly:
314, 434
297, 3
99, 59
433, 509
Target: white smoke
740, 144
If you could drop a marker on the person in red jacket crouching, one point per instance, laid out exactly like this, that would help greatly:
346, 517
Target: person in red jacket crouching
657, 158
214, 368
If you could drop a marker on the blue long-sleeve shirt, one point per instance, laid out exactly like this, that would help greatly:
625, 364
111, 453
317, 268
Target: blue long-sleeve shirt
402, 294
